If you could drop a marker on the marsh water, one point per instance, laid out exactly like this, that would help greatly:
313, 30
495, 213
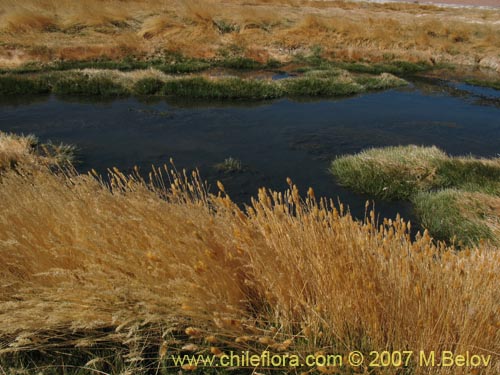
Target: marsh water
274, 139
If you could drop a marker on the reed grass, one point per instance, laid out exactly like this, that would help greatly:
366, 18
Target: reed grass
150, 266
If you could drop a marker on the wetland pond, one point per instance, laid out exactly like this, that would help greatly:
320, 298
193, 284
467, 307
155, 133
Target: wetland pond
273, 139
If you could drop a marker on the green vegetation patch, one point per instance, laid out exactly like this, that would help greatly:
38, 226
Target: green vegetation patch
326, 84
394, 67
494, 84
229, 165
380, 82
171, 64
400, 172
81, 84
389, 173
14, 85
148, 86
226, 88
470, 174
240, 63
461, 217
456, 198
104, 83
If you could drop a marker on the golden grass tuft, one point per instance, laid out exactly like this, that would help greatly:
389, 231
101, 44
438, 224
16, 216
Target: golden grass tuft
155, 26
14, 149
134, 261
24, 21
26, 150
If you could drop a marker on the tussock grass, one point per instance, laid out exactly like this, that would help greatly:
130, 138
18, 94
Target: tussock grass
391, 172
322, 84
400, 172
381, 82
21, 150
456, 198
462, 217
152, 266
229, 165
24, 21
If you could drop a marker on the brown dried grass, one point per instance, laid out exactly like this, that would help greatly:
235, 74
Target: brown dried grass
142, 259
344, 29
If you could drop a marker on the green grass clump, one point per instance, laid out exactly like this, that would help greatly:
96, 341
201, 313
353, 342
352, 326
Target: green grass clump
229, 165
239, 63
494, 84
15, 85
458, 216
391, 172
380, 82
470, 174
122, 65
400, 172
336, 82
456, 198
184, 66
394, 67
29, 151
321, 83
227, 88
88, 86
320, 87
148, 86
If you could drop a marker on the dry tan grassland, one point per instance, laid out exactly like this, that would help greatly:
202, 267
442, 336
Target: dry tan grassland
50, 30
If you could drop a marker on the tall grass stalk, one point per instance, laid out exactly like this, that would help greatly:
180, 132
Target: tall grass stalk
151, 265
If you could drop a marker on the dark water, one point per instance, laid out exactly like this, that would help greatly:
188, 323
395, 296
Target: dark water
274, 140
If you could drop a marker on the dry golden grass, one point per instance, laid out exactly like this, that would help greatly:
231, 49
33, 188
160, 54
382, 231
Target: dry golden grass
20, 150
15, 149
144, 259
45, 30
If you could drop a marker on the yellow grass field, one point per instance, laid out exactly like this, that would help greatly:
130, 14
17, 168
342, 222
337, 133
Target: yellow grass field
157, 266
48, 30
